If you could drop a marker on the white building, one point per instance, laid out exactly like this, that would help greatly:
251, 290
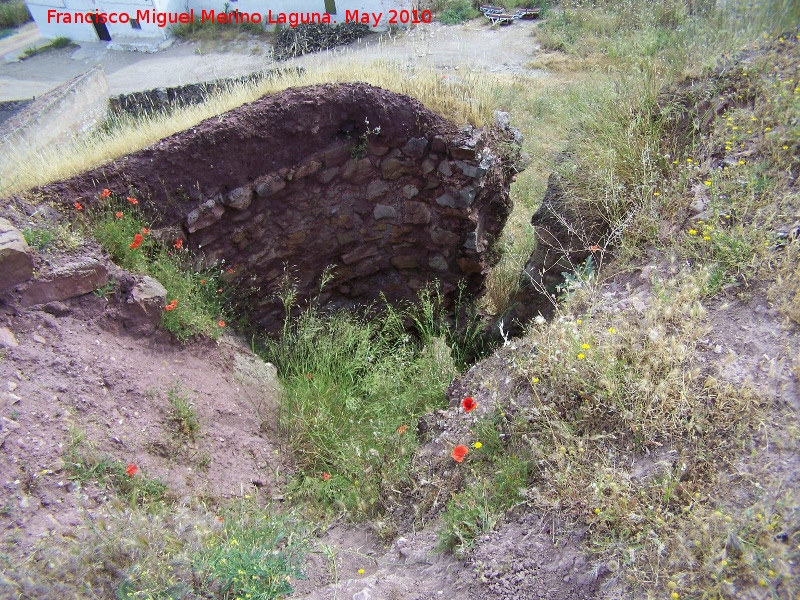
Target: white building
107, 20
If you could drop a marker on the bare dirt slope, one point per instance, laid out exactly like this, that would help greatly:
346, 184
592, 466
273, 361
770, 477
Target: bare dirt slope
66, 374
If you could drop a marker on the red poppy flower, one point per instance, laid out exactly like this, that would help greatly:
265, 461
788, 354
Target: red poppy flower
131, 470
105, 193
132, 200
172, 305
402, 429
469, 404
178, 244
594, 248
145, 231
78, 206
137, 241
459, 452
118, 215
221, 323
326, 476
219, 519
202, 281
230, 271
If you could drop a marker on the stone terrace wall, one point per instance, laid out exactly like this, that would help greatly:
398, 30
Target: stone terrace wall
389, 193
169, 98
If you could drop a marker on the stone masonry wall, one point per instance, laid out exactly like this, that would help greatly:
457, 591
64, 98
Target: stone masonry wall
370, 182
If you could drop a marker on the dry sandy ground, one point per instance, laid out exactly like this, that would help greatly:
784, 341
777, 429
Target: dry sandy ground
505, 49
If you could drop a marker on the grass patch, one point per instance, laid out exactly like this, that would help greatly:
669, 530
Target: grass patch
84, 465
212, 35
164, 551
55, 44
13, 14
255, 555
457, 11
183, 414
354, 388
198, 300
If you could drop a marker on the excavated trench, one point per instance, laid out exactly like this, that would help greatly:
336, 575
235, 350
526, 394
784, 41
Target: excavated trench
351, 177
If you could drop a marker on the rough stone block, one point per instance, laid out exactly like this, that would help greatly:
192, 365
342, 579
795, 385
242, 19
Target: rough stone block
468, 169
438, 262
377, 149
447, 200
327, 175
444, 168
150, 297
376, 189
270, 185
16, 258
442, 237
415, 147
382, 211
308, 168
405, 262
240, 198
335, 156
67, 281
394, 168
357, 171
347, 237
204, 215
409, 191
416, 212
359, 254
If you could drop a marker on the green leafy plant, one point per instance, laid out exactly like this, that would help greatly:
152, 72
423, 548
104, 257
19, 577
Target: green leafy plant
457, 11
183, 413
254, 556
199, 301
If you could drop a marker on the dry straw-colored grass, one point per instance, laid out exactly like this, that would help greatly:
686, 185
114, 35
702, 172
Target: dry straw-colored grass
23, 166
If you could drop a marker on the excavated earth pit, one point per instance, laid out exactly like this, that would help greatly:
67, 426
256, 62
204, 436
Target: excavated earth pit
351, 177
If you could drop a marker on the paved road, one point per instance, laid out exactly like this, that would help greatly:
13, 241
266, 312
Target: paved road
497, 49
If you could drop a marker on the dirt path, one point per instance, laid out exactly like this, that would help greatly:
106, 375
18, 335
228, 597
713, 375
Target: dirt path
504, 49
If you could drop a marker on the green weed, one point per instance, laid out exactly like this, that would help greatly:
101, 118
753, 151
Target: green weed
183, 414
83, 464
255, 555
457, 11
354, 387
13, 14
198, 301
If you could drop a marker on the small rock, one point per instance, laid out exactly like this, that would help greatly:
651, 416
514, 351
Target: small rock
16, 258
272, 185
502, 119
7, 339
415, 147
58, 309
150, 296
9, 398
444, 168
438, 262
38, 339
240, 198
67, 281
204, 215
382, 211
409, 191
697, 206
376, 189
